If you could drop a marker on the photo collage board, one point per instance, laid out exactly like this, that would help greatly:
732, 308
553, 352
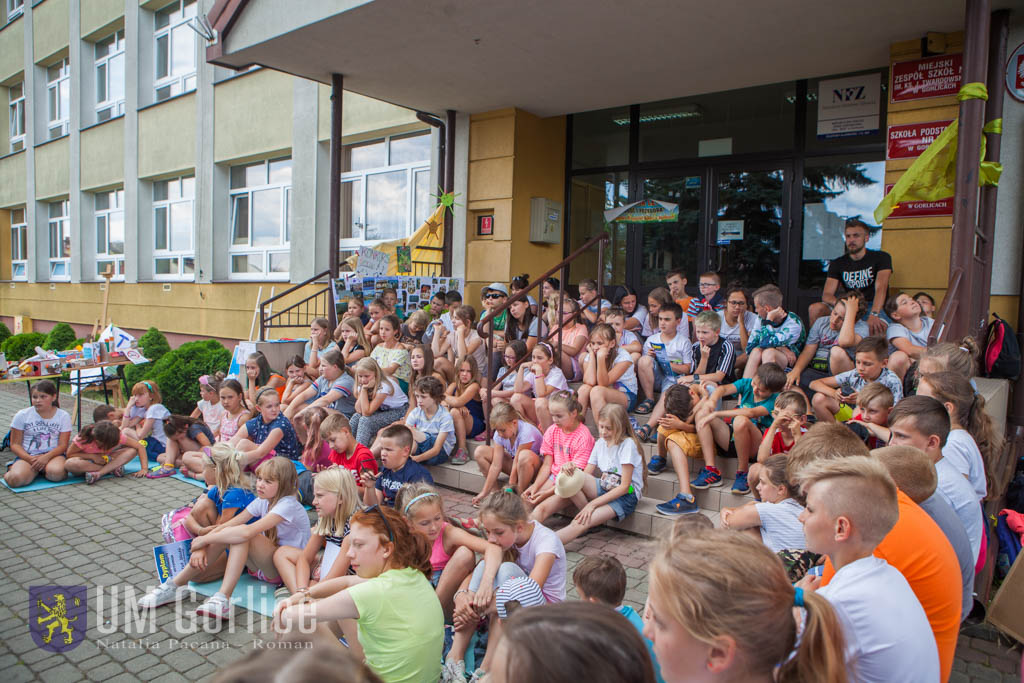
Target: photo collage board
413, 292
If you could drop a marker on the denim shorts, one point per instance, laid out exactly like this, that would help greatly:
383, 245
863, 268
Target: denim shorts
623, 506
631, 395
663, 378
426, 445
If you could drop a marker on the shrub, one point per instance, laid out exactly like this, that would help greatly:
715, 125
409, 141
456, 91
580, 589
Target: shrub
5, 333
60, 337
177, 373
21, 346
153, 345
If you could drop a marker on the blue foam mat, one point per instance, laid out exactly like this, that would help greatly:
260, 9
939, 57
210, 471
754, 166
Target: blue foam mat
41, 482
189, 480
257, 596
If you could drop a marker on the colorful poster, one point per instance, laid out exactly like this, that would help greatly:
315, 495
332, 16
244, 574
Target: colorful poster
372, 262
910, 140
412, 292
929, 77
171, 558
404, 256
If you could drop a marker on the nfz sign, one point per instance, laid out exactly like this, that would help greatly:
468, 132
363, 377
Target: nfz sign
849, 106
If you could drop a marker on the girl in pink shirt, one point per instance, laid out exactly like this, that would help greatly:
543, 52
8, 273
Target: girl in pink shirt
568, 439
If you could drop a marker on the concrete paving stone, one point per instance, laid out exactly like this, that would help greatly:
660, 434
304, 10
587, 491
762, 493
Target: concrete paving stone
222, 658
36, 657
182, 659
983, 674
992, 647
1011, 678
153, 672
65, 673
969, 655
21, 643
98, 660
106, 671
124, 677
18, 673
1005, 664
170, 677
83, 652
144, 661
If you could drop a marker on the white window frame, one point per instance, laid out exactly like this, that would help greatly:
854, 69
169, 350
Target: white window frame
180, 12
107, 108
105, 257
180, 256
284, 236
61, 226
59, 122
15, 8
16, 117
361, 176
19, 247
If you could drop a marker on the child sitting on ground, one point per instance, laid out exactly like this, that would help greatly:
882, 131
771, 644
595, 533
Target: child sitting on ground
184, 435
144, 419
345, 451
565, 329
960, 357
101, 449
789, 418
678, 442
352, 340
830, 342
39, 438
634, 313
379, 401
282, 521
775, 520
667, 355
316, 452
398, 468
871, 423
713, 360
334, 499
209, 407
907, 334
779, 338
658, 297
608, 374
567, 440
835, 397
676, 281
391, 356
462, 399
613, 481
547, 379
268, 434
757, 400
601, 579
229, 492
504, 385
709, 298
591, 307
624, 338
295, 385
432, 427
515, 440
927, 303
236, 413
332, 390
737, 323
453, 550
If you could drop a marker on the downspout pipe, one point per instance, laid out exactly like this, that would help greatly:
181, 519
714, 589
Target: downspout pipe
445, 174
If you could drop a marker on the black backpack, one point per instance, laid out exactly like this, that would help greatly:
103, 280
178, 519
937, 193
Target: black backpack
1002, 352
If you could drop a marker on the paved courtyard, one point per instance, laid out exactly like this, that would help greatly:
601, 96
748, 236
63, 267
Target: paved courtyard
102, 537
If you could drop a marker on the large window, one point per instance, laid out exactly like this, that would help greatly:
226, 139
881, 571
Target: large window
385, 190
110, 76
19, 245
58, 94
173, 253
175, 49
260, 195
16, 96
60, 241
110, 233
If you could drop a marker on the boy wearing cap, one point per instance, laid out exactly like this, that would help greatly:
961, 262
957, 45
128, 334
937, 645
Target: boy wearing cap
493, 298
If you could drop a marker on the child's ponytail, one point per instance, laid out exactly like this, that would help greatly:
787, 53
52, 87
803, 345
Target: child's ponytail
568, 400
312, 417
820, 653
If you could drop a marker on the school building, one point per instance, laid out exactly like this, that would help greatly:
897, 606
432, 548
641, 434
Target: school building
200, 166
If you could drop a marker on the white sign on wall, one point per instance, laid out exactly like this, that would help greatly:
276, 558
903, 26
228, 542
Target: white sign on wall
372, 262
849, 106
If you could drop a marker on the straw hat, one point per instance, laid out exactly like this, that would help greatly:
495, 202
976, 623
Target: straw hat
569, 484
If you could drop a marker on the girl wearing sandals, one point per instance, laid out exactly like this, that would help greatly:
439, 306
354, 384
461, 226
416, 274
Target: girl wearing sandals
39, 438
268, 434
281, 521
101, 449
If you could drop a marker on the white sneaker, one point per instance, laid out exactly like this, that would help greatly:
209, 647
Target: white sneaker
159, 595
478, 675
217, 606
453, 671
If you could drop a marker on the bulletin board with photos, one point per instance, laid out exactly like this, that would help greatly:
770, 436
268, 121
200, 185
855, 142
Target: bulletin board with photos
413, 292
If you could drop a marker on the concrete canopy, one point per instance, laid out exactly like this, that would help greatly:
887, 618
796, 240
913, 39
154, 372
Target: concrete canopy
559, 56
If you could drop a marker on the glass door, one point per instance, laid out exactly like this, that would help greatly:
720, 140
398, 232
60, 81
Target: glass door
662, 247
748, 232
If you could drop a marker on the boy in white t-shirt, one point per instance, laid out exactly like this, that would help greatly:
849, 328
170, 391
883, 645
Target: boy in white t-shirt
667, 354
908, 333
432, 426
851, 506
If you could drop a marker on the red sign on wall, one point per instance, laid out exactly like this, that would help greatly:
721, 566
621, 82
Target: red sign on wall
916, 209
909, 140
928, 77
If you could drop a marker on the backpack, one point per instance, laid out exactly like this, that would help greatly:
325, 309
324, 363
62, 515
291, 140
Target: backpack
1002, 352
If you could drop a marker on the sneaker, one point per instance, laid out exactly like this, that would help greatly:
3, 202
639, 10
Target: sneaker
159, 595
478, 676
461, 457
680, 505
217, 606
453, 671
706, 479
92, 477
740, 485
657, 465
160, 471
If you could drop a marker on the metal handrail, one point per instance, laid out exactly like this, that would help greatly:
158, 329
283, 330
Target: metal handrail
265, 320
949, 307
562, 266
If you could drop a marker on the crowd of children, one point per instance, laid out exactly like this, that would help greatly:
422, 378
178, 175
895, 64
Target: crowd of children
354, 425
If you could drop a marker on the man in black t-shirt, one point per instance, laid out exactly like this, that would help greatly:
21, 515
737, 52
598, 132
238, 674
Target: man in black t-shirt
860, 268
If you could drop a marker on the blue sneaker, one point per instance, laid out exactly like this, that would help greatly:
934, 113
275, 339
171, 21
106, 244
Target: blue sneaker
680, 505
706, 479
740, 485
657, 465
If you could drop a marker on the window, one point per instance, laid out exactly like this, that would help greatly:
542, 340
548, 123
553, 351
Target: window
15, 8
19, 245
175, 49
110, 233
58, 92
16, 95
110, 77
172, 227
60, 241
385, 191
260, 196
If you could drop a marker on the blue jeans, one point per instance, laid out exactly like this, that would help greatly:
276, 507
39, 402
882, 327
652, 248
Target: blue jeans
426, 445
664, 375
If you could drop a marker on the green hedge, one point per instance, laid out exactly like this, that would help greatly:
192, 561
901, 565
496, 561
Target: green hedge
21, 346
5, 333
60, 338
177, 372
153, 345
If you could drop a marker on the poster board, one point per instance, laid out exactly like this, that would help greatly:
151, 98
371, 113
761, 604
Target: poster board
1005, 612
414, 292
372, 262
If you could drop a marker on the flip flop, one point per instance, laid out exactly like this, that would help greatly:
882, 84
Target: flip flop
645, 407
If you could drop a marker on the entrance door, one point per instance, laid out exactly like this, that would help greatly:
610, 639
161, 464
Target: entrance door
661, 247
